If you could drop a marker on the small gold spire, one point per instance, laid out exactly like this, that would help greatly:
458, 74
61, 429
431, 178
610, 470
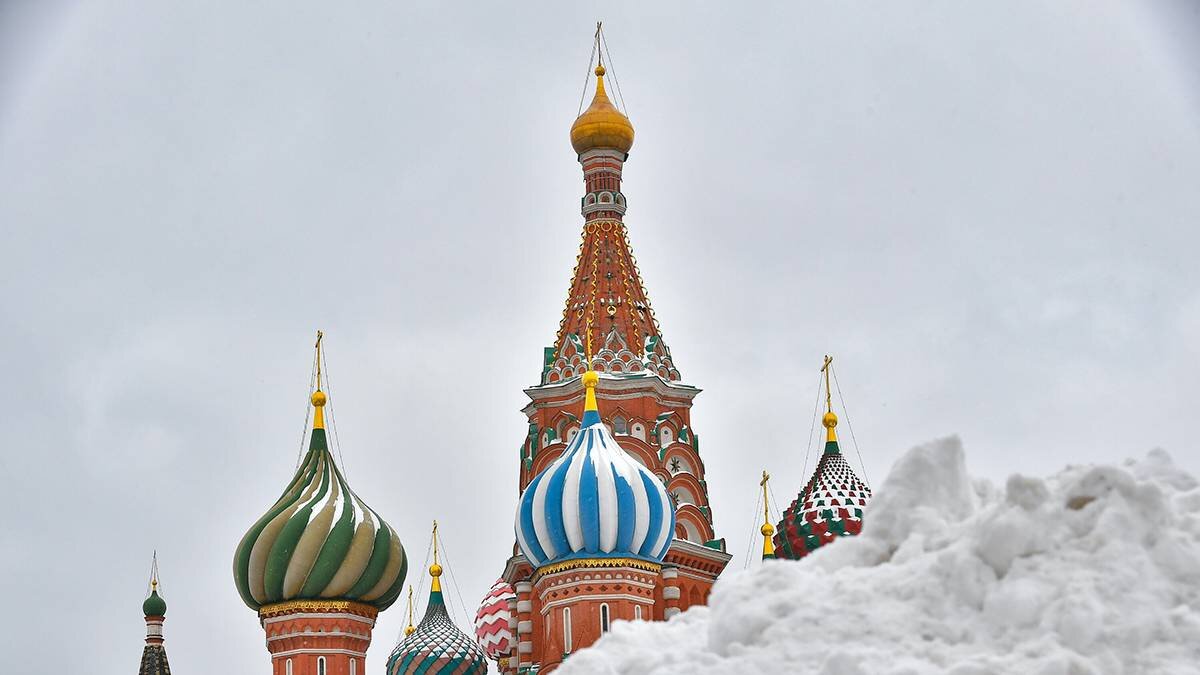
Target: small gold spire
767, 528
410, 628
435, 570
590, 379
829, 420
319, 399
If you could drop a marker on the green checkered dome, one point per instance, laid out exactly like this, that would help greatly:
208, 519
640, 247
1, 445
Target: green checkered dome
437, 646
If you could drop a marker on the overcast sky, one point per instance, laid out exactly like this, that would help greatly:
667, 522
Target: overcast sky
987, 212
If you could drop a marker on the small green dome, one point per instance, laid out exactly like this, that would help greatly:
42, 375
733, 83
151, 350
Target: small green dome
154, 605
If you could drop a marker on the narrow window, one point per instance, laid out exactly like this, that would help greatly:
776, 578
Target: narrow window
288, 667
353, 667
637, 612
604, 618
567, 630
320, 665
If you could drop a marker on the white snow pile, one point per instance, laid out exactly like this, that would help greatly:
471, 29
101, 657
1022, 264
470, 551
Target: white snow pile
1095, 570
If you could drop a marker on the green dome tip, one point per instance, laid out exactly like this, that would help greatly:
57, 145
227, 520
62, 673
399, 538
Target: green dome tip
154, 605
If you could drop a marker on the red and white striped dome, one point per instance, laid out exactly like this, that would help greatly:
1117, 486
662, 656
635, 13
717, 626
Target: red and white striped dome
491, 621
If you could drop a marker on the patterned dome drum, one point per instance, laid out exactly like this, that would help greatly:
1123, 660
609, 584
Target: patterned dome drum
437, 646
595, 501
830, 506
491, 621
320, 541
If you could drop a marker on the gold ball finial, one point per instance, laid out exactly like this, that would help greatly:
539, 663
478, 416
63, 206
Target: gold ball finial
767, 529
600, 70
319, 398
435, 570
409, 630
829, 421
591, 378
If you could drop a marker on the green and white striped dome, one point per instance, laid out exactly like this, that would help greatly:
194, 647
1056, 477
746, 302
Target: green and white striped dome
320, 541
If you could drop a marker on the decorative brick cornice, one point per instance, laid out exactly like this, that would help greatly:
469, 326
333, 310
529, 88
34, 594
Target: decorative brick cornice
596, 562
317, 606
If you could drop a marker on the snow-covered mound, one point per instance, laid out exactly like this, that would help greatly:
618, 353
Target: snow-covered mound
1093, 571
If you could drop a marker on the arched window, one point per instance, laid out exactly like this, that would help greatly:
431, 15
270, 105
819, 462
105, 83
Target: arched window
288, 667
639, 431
353, 667
566, 630
571, 433
637, 612
604, 618
666, 435
620, 426
320, 665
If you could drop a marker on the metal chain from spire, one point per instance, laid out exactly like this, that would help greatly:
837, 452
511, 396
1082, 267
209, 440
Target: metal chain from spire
588, 77
611, 70
323, 367
154, 581
312, 378
846, 414
453, 581
812, 430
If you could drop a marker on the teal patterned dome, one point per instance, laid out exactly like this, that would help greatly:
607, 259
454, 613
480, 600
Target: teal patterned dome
319, 541
437, 646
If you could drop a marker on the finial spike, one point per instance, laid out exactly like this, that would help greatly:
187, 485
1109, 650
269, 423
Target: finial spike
830, 420
319, 399
767, 528
410, 628
435, 570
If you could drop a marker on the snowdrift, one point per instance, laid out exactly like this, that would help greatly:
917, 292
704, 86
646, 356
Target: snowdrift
1095, 570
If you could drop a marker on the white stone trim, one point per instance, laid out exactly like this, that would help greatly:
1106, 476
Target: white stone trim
319, 615
296, 652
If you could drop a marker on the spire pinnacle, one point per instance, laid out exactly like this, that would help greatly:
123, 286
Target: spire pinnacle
410, 628
435, 570
829, 420
591, 412
319, 399
767, 529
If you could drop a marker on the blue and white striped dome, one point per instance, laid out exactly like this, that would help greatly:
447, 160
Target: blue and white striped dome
595, 501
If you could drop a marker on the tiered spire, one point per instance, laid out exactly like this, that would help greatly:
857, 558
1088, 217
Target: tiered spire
608, 324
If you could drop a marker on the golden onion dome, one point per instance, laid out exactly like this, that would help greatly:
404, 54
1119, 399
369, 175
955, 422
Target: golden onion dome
601, 125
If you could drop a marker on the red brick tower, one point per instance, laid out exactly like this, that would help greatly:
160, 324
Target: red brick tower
608, 326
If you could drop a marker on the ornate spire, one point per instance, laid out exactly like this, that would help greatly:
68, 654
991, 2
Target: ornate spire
408, 630
154, 608
607, 323
767, 529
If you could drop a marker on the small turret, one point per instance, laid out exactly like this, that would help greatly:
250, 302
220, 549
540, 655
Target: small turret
154, 609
